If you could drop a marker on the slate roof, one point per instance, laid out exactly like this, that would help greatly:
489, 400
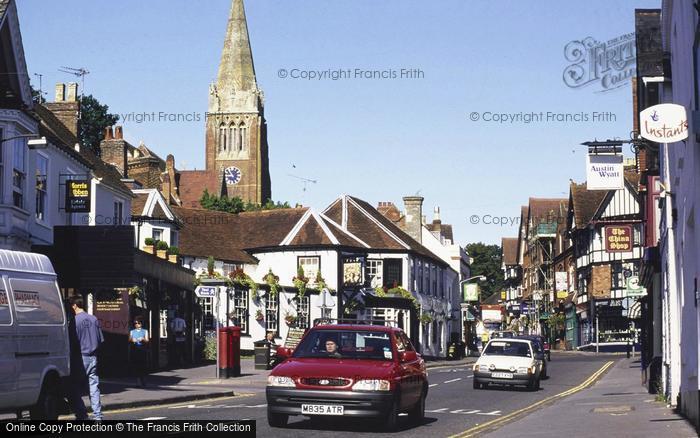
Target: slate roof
509, 245
585, 203
445, 230
138, 204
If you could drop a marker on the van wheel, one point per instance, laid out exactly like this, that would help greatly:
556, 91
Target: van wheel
277, 420
46, 408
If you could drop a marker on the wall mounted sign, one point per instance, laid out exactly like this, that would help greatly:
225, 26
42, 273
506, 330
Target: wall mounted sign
78, 196
604, 172
634, 289
664, 123
618, 238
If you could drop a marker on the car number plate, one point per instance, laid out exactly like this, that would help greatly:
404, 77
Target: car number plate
502, 375
322, 409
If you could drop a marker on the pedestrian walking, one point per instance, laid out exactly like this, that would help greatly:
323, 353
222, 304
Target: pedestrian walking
179, 328
89, 337
138, 350
270, 338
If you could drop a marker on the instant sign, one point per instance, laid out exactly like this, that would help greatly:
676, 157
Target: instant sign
664, 123
618, 239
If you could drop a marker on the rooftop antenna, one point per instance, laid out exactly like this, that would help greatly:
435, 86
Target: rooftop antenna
77, 72
41, 91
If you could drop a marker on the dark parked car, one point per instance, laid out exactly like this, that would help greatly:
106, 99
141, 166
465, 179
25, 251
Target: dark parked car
541, 350
347, 370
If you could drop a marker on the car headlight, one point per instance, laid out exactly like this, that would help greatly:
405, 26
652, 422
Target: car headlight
282, 381
372, 385
523, 370
483, 368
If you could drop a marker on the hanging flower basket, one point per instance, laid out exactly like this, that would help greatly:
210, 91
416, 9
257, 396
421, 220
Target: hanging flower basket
259, 316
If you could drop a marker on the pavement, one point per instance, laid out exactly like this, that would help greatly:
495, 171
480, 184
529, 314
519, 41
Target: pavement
195, 383
617, 405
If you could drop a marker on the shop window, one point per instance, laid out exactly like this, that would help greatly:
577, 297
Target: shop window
42, 169
18, 175
375, 273
392, 272
311, 266
304, 312
240, 309
272, 313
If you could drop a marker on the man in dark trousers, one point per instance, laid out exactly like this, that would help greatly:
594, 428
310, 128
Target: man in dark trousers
89, 337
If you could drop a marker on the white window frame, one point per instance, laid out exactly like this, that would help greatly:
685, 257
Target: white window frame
375, 272
41, 213
19, 152
302, 261
240, 308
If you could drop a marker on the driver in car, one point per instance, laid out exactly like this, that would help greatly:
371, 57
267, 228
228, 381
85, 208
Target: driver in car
332, 348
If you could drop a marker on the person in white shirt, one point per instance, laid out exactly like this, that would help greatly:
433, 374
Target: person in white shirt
178, 326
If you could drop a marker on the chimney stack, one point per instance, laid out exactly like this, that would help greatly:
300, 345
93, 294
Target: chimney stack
414, 217
66, 106
118, 132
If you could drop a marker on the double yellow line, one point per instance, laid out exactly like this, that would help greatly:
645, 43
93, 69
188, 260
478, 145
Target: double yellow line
506, 418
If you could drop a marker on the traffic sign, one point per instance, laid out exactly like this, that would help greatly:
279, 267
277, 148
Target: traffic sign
206, 291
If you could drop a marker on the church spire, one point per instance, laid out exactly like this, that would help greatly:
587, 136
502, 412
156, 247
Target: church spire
236, 71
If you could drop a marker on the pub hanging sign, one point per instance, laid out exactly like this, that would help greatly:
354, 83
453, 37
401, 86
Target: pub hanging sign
78, 196
618, 239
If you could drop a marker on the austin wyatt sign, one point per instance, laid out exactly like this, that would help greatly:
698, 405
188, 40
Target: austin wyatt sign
78, 196
604, 172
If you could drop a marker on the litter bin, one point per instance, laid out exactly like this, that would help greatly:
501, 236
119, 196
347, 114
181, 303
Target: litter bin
262, 354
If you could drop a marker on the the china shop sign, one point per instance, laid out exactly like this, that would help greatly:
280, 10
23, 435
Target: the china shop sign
619, 238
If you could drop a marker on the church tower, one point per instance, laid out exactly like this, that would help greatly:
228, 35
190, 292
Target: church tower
236, 139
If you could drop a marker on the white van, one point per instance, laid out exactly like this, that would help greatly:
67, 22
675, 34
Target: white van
34, 344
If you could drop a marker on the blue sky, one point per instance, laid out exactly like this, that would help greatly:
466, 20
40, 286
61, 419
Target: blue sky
379, 139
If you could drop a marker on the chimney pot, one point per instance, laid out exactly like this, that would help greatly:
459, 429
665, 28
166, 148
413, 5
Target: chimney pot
108, 133
72, 92
119, 132
60, 93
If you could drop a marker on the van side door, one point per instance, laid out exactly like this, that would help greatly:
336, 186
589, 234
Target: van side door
9, 366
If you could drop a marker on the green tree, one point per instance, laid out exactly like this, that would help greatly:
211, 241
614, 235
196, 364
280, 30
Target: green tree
236, 205
94, 118
487, 262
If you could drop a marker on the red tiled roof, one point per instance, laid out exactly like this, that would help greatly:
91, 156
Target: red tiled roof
509, 245
192, 183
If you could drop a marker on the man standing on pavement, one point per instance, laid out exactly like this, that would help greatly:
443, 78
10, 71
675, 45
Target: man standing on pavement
179, 327
89, 337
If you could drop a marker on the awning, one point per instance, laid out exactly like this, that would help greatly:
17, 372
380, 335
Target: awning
635, 311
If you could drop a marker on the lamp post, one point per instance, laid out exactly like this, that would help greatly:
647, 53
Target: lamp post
461, 283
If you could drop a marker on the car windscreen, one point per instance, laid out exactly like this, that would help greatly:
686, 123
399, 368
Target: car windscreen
345, 344
506, 348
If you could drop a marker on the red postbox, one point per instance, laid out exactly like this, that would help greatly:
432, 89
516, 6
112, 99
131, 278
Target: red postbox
224, 351
234, 351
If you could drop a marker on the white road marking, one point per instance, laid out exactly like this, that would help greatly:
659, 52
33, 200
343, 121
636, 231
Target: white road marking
257, 406
153, 418
217, 406
434, 384
457, 411
473, 411
453, 380
491, 413
438, 410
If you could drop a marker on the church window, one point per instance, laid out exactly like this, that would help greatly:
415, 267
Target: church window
222, 138
241, 136
232, 137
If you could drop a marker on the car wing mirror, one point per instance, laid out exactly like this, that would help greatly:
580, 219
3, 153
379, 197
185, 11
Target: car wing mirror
284, 352
408, 356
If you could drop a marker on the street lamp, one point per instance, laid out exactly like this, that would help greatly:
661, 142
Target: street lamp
35, 142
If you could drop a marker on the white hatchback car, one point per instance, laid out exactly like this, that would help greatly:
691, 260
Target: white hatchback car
508, 362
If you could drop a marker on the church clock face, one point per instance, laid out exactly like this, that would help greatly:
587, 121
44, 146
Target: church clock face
232, 175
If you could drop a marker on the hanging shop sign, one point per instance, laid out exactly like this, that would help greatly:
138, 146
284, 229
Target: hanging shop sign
470, 292
604, 172
634, 289
664, 123
206, 291
618, 238
78, 196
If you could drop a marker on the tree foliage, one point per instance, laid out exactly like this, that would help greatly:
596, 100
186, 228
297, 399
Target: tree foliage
94, 118
236, 205
487, 261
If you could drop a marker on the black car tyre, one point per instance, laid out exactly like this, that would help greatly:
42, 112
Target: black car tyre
417, 414
549, 356
46, 408
277, 420
477, 385
544, 372
392, 421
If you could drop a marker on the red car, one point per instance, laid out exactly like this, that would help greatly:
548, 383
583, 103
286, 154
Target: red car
347, 370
